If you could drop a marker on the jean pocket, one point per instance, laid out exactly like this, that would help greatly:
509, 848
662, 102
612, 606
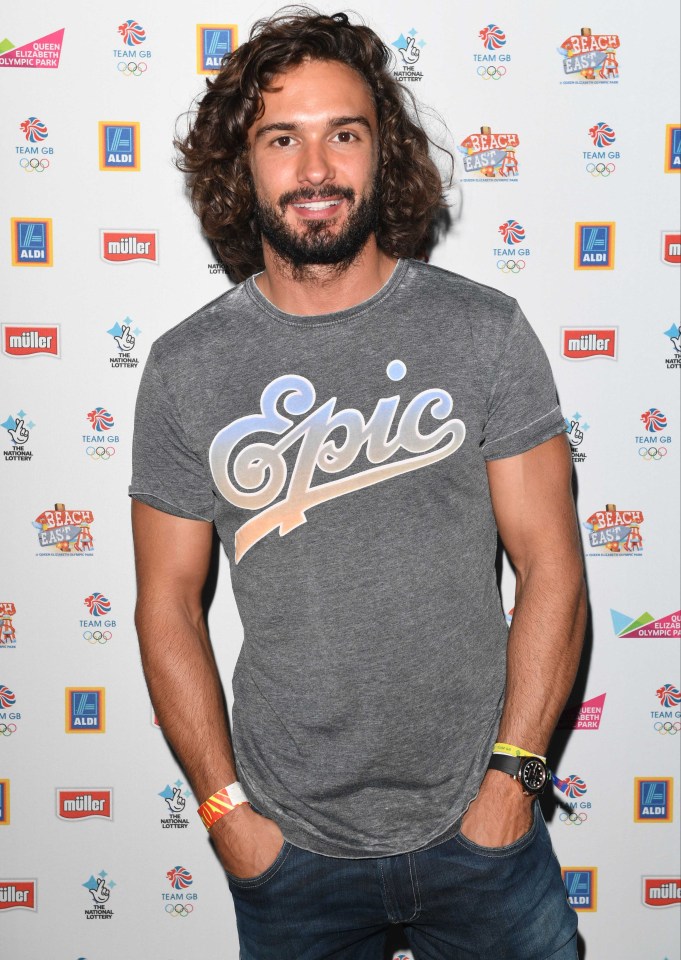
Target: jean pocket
509, 849
247, 883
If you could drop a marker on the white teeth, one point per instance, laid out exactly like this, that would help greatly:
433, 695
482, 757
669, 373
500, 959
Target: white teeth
318, 204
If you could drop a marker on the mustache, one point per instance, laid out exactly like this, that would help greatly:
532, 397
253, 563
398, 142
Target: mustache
320, 193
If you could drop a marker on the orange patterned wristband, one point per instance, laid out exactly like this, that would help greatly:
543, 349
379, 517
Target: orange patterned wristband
221, 803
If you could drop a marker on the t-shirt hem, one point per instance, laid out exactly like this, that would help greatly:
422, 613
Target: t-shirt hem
549, 425
144, 496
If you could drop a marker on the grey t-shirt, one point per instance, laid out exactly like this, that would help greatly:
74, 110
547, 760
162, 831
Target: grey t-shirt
342, 460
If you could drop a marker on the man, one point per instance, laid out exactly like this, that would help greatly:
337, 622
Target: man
357, 425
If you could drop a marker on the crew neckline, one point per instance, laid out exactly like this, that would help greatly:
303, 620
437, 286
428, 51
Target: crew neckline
326, 319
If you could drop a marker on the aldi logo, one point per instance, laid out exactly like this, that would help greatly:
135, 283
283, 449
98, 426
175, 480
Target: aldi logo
29, 341
4, 802
80, 804
119, 145
672, 149
214, 41
595, 246
653, 800
661, 891
15, 894
31, 242
580, 886
671, 248
124, 246
85, 710
583, 343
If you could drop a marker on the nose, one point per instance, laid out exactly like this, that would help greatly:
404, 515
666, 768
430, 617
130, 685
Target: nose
315, 164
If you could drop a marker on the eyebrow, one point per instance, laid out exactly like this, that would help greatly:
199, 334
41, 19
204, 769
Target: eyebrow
290, 127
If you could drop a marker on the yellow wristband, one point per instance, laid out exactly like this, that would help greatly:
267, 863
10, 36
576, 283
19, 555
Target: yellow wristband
512, 751
221, 803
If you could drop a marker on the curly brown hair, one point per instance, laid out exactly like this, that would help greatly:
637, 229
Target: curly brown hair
215, 149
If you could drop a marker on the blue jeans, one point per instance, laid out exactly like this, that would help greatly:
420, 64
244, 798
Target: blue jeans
456, 901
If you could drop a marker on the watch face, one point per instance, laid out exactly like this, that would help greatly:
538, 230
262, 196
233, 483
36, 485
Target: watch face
533, 775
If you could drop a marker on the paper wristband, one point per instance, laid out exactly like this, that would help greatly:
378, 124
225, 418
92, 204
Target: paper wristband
512, 751
221, 803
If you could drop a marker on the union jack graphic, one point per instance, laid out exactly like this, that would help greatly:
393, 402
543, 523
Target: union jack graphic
180, 878
653, 420
133, 33
602, 135
669, 695
34, 130
98, 604
100, 419
7, 698
512, 232
573, 787
492, 36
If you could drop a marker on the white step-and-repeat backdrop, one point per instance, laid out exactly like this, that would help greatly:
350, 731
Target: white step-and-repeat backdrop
565, 123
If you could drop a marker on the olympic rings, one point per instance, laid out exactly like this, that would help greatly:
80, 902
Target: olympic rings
491, 73
131, 69
510, 266
7, 729
33, 164
574, 818
97, 636
652, 453
100, 453
667, 727
179, 909
600, 169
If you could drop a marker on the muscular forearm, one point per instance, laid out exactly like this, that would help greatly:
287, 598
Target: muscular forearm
186, 693
544, 647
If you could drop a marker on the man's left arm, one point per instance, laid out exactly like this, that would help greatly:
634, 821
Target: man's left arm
535, 514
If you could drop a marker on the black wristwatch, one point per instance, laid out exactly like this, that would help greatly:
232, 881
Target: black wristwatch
531, 772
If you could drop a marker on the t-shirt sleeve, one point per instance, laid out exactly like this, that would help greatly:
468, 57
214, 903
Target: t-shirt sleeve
523, 408
166, 472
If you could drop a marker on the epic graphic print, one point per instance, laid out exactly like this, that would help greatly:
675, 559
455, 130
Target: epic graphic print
260, 471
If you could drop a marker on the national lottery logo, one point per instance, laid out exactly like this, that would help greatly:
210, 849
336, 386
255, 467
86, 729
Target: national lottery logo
576, 427
119, 145
8, 633
214, 42
490, 156
124, 336
590, 58
600, 161
175, 798
132, 32
614, 532
491, 65
101, 444
673, 334
31, 242
19, 427
63, 532
100, 888
594, 246
409, 49
511, 258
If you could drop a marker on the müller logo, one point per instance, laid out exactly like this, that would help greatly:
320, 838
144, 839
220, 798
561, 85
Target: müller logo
582, 343
253, 478
30, 341
125, 246
487, 154
661, 891
18, 894
83, 803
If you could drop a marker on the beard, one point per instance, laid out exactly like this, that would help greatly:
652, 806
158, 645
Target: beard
316, 243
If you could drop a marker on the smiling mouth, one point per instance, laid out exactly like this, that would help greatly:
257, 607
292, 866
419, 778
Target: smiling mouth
317, 204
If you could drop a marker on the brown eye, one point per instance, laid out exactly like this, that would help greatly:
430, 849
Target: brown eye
283, 141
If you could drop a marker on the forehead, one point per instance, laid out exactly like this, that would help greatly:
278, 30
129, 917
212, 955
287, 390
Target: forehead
316, 90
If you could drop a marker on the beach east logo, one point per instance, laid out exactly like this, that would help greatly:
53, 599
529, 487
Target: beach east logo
131, 57
409, 49
19, 428
34, 155
511, 256
181, 901
490, 156
101, 443
8, 633
99, 889
63, 532
614, 533
600, 160
124, 336
492, 64
590, 57
41, 54
174, 801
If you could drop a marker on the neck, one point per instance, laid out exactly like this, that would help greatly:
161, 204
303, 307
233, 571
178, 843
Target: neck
317, 289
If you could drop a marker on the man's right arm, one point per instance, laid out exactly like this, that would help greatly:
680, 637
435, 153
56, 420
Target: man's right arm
172, 558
